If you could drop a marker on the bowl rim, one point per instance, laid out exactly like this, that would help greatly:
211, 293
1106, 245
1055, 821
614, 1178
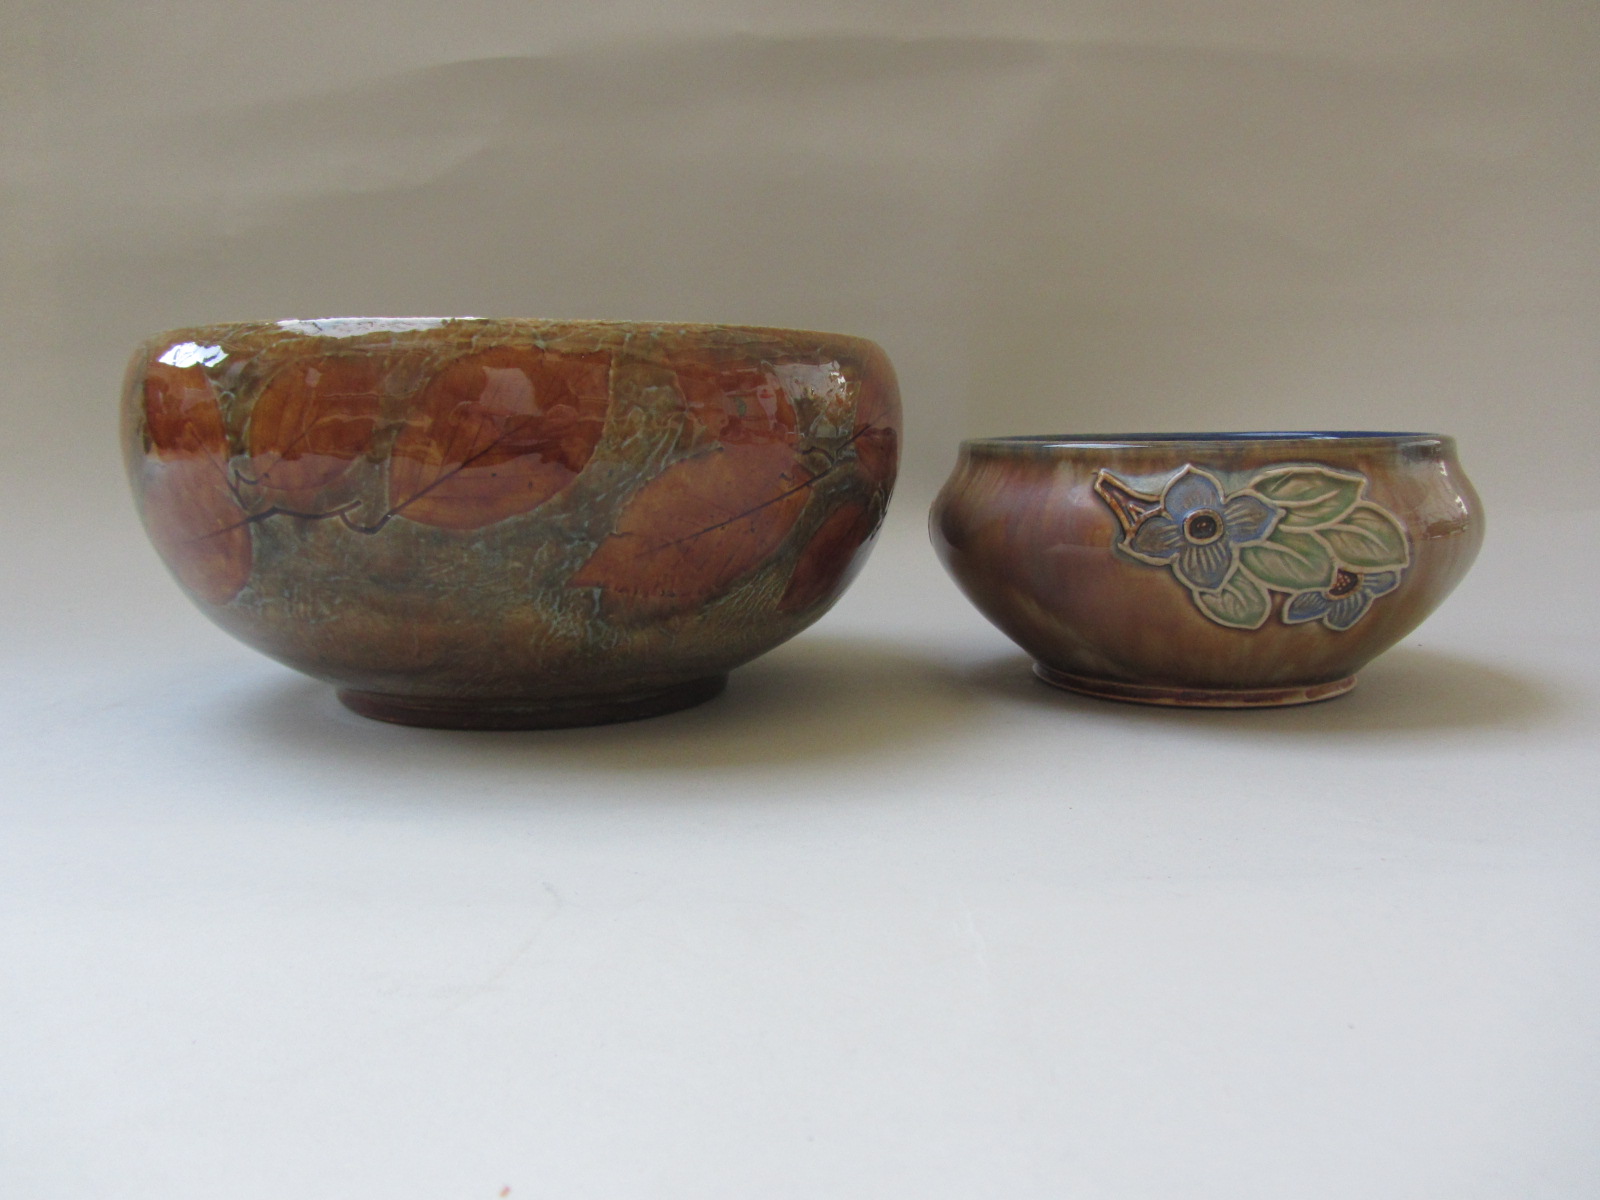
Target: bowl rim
1039, 442
340, 328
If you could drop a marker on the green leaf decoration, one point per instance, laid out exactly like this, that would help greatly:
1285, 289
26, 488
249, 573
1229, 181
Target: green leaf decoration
1309, 496
1241, 603
1368, 539
1290, 561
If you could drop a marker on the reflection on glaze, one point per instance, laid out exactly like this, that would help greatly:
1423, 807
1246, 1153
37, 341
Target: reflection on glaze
349, 327
192, 354
372, 492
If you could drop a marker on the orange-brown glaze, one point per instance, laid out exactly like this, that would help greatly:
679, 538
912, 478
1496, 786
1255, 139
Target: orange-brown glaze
311, 422
496, 434
189, 507
735, 401
877, 428
829, 558
703, 523
465, 521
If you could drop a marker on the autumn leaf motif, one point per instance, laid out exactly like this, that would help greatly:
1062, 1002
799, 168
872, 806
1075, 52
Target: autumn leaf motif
830, 559
189, 506
311, 423
859, 408
497, 434
877, 419
703, 523
734, 401
714, 517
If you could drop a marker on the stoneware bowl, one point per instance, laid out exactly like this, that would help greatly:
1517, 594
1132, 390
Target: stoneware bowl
511, 523
1227, 570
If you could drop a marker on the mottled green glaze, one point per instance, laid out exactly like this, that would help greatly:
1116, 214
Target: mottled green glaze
511, 523
1230, 570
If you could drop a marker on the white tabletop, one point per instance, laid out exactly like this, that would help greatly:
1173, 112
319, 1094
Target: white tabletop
889, 919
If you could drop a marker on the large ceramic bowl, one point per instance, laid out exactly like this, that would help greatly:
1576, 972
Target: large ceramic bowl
1213, 569
511, 523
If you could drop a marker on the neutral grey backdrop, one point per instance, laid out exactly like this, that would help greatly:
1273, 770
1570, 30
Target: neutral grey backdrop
889, 920
1056, 217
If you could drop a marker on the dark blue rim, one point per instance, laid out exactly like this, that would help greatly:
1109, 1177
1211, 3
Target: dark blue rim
1136, 439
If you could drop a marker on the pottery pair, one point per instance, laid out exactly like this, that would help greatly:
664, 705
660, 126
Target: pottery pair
521, 524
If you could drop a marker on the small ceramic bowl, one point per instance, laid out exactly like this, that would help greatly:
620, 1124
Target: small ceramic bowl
511, 523
1211, 569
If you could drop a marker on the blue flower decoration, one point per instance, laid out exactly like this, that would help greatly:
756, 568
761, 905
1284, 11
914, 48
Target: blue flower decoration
1198, 533
1343, 604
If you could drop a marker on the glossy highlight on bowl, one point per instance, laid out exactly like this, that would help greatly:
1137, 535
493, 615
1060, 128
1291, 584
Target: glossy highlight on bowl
1208, 569
473, 523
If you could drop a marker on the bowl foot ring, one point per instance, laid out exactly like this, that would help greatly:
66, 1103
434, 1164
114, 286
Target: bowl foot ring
1182, 697
566, 712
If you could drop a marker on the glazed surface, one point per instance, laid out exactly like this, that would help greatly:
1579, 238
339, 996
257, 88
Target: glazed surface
1208, 562
484, 508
